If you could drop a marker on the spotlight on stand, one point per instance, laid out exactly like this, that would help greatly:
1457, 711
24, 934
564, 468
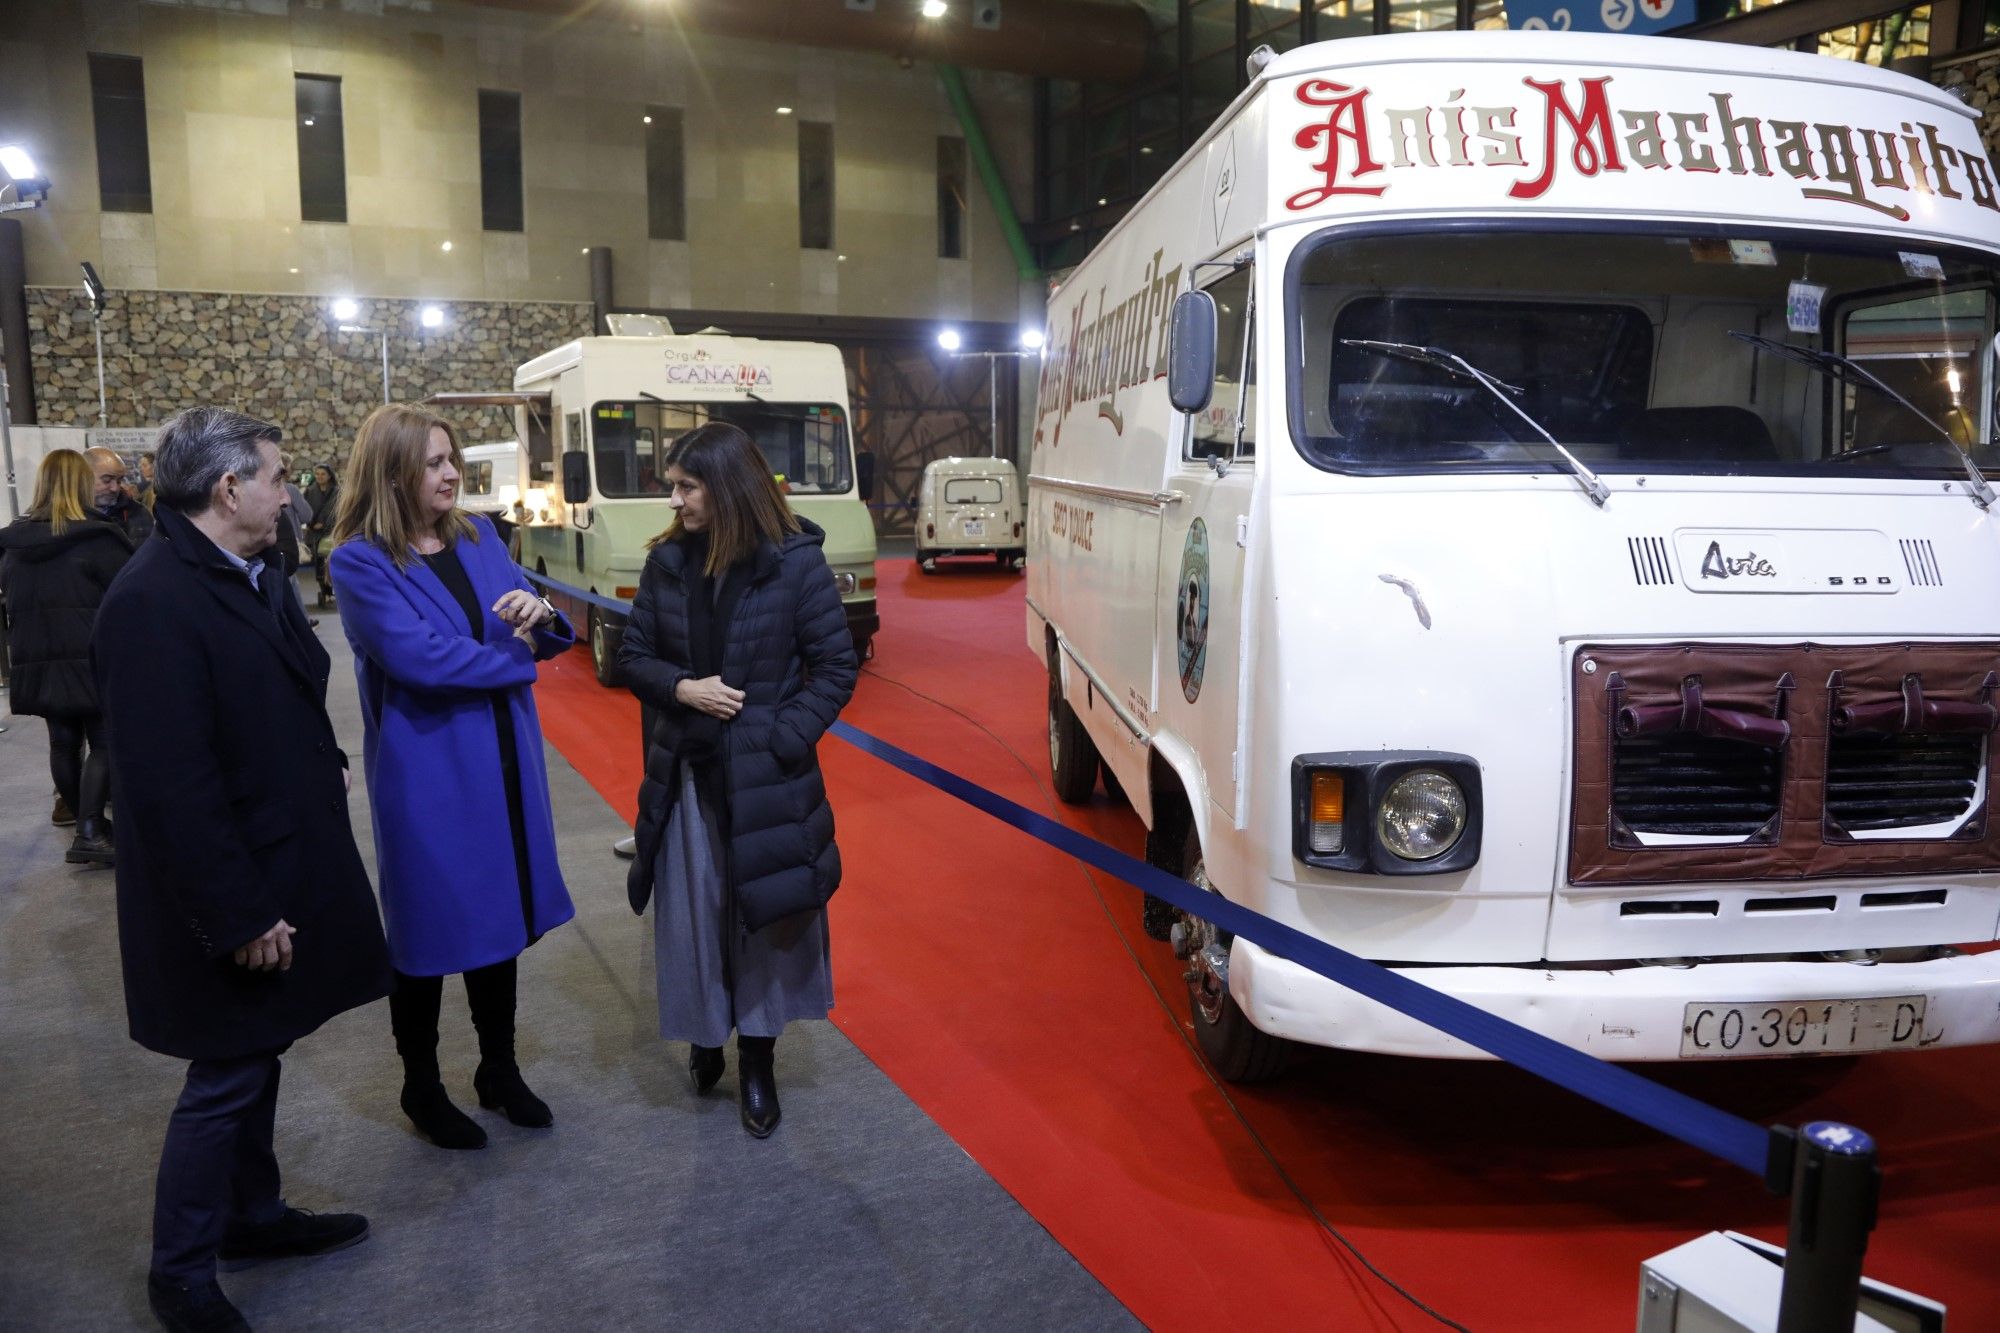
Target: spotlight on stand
24, 178
346, 308
950, 341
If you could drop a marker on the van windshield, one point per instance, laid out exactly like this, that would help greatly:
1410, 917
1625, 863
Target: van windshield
1646, 351
805, 443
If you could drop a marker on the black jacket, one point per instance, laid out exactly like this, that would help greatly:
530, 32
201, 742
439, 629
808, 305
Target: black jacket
53, 585
787, 647
131, 516
231, 811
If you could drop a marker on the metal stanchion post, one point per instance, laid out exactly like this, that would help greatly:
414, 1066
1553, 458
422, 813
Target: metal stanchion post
7, 445
1835, 1182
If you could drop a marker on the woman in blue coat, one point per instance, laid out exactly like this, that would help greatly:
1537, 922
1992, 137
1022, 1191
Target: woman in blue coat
446, 634
738, 644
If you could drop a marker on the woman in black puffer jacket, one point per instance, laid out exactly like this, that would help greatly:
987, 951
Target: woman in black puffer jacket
738, 645
55, 563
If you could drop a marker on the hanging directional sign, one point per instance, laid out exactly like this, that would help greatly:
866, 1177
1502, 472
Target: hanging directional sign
1634, 16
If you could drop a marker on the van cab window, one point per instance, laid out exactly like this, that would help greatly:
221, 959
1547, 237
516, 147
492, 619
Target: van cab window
1643, 351
805, 443
972, 491
1212, 431
478, 477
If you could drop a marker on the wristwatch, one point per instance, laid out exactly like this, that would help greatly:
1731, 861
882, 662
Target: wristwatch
550, 607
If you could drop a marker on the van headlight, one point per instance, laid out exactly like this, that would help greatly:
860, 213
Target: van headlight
1387, 812
845, 584
1422, 815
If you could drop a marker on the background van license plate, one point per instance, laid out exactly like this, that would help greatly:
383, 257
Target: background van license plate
1801, 1027
975, 527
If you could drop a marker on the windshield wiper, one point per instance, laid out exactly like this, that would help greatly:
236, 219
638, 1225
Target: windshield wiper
1846, 370
1453, 363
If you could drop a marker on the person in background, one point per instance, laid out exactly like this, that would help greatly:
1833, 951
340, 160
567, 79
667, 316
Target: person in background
146, 480
245, 917
56, 561
446, 633
323, 495
739, 648
113, 500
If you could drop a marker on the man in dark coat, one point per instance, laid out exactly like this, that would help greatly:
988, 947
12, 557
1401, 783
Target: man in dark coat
245, 918
115, 503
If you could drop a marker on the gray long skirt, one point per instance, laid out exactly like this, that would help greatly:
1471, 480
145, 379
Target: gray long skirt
713, 975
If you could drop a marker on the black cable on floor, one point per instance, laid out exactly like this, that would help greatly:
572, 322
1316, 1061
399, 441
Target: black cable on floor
1097, 891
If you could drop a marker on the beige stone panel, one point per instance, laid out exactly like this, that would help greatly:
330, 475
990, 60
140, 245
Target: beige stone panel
768, 176
55, 239
819, 282
397, 201
126, 256
504, 259
954, 291
237, 167
669, 275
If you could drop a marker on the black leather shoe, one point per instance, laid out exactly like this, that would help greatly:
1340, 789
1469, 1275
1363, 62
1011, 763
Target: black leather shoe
296, 1234
183, 1307
757, 1091
92, 844
704, 1067
431, 1111
501, 1088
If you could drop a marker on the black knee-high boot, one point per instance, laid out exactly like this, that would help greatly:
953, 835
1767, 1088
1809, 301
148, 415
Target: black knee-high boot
413, 1016
490, 991
757, 1084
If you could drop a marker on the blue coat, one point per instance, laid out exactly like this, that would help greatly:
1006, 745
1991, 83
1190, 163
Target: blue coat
444, 850
787, 647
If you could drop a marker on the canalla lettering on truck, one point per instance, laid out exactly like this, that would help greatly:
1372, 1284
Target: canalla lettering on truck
1576, 578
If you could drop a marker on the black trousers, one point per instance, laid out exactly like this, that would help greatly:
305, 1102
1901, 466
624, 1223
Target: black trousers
217, 1168
80, 765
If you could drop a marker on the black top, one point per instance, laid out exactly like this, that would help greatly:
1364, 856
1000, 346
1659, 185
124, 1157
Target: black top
451, 572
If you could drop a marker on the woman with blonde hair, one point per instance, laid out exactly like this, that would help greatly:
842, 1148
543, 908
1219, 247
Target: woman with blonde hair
446, 633
56, 560
739, 646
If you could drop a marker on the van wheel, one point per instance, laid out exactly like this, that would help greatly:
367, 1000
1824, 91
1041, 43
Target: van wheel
1234, 1047
1072, 755
603, 649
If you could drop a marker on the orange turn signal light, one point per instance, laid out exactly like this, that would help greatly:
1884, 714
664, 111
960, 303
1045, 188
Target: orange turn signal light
1329, 798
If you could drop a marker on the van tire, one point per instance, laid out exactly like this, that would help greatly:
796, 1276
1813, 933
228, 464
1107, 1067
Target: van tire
1234, 1047
1073, 761
604, 648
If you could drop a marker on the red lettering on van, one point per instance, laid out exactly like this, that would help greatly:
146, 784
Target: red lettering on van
1346, 122
1588, 154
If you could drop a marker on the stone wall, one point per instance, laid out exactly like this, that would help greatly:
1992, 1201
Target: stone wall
281, 358
1976, 79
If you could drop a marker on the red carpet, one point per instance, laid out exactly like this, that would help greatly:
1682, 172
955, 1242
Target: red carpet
1014, 997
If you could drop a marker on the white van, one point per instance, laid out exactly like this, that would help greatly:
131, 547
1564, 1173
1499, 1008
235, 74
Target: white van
492, 482
1597, 612
610, 407
970, 506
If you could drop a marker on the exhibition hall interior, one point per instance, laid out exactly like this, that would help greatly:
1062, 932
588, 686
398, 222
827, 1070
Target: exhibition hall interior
1059, 664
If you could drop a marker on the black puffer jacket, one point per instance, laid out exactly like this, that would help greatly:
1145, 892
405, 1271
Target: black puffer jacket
54, 583
787, 647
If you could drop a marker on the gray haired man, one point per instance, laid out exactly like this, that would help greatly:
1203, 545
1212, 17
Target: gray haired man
245, 917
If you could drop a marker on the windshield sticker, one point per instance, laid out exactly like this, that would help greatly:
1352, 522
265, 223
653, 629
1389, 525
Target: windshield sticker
1584, 129
1921, 265
1753, 252
1191, 614
1802, 303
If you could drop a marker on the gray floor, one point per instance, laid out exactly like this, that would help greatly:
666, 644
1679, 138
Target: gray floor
643, 1206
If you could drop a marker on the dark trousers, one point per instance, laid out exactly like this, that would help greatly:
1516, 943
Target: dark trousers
80, 765
217, 1169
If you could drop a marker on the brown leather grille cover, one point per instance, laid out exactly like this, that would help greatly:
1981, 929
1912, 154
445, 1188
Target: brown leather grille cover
1747, 676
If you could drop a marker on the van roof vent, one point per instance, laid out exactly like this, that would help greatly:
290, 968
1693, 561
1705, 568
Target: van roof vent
1652, 565
1921, 562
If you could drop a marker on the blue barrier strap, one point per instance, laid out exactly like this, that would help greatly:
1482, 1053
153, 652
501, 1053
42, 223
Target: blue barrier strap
1675, 1114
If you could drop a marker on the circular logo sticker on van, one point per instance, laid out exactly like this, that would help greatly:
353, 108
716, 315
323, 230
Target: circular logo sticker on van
1191, 613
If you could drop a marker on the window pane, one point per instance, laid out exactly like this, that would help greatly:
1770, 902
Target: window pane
118, 105
666, 178
951, 197
815, 185
1216, 83
1883, 40
1211, 27
805, 443
1213, 432
322, 149
1343, 18
972, 491
500, 205
1422, 15
1489, 14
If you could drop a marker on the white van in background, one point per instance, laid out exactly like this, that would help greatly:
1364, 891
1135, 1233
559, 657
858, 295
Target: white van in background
970, 506
492, 482
1506, 504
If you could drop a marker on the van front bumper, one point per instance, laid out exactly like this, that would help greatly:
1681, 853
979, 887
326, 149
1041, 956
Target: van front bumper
1626, 1013
862, 620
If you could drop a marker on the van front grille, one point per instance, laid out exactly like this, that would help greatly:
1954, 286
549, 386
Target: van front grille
1694, 785
1904, 781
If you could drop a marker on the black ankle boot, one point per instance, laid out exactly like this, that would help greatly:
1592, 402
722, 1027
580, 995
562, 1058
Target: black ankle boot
501, 1088
92, 843
757, 1084
704, 1067
431, 1111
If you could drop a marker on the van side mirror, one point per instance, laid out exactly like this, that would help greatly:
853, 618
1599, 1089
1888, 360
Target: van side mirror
864, 473
576, 477
1191, 355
